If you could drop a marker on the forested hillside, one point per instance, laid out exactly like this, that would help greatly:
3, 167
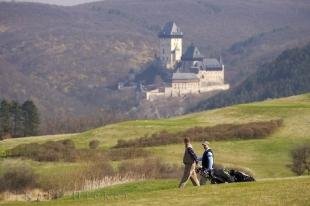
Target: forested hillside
288, 75
68, 60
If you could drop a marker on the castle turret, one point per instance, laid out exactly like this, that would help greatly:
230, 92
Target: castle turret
192, 53
170, 45
191, 59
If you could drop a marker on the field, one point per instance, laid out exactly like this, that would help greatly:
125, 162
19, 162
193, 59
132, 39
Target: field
267, 158
285, 191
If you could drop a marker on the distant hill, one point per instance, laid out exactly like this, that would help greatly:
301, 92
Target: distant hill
67, 59
287, 75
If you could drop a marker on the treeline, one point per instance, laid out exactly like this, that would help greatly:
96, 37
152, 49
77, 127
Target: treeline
286, 76
18, 120
252, 130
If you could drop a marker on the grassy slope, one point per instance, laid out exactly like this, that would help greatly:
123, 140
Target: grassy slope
266, 158
295, 111
287, 191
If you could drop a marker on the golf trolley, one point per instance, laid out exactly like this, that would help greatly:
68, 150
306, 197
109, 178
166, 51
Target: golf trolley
218, 176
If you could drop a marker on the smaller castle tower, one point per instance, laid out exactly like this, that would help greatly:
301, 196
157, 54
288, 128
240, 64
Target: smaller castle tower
170, 45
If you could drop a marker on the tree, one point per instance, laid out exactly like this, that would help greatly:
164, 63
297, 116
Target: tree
5, 125
31, 118
301, 159
17, 120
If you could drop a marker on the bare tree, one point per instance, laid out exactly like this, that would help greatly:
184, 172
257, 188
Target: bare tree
301, 159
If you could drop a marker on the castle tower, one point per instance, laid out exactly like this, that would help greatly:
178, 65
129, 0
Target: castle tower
170, 45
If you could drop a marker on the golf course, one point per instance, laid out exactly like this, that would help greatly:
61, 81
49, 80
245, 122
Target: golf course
268, 159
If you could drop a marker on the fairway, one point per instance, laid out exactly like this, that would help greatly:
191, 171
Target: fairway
285, 191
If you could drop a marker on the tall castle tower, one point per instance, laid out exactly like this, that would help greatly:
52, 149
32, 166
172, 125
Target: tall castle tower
170, 44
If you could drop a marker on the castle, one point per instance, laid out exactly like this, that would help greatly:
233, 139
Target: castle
192, 73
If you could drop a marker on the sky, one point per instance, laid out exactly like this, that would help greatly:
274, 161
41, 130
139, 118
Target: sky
57, 2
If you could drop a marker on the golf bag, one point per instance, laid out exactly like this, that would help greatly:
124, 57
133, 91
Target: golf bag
239, 176
218, 176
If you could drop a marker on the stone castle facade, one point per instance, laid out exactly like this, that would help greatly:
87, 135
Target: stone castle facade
192, 72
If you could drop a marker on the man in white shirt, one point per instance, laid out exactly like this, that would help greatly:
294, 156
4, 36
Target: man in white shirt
207, 161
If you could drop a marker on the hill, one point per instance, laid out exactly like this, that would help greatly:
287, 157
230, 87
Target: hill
67, 59
273, 151
267, 158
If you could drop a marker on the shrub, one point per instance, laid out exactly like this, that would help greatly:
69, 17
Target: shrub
94, 144
63, 150
18, 177
68, 143
127, 153
150, 168
56, 184
90, 155
301, 159
99, 170
250, 130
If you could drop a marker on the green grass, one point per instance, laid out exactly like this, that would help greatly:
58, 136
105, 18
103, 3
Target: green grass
266, 158
295, 111
261, 156
286, 191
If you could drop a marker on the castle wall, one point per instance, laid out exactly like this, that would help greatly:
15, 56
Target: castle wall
154, 94
181, 88
214, 88
211, 77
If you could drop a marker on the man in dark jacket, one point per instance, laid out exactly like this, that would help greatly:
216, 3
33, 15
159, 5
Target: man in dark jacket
190, 161
207, 161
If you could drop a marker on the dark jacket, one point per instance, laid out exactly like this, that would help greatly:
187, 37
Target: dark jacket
207, 159
189, 156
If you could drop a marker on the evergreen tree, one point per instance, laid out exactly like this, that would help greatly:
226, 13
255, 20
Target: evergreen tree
5, 125
17, 120
31, 118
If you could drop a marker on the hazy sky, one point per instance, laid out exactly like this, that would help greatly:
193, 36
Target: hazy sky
58, 2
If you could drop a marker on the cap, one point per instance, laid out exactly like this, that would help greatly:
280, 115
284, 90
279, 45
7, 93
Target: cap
205, 143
